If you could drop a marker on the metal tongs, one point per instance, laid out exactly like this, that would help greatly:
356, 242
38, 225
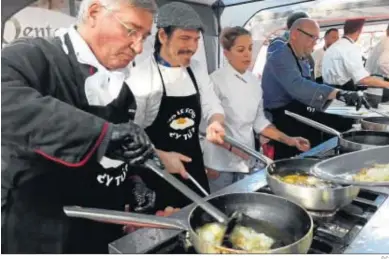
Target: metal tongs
360, 93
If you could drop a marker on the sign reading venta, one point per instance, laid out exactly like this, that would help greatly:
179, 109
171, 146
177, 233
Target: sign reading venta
35, 22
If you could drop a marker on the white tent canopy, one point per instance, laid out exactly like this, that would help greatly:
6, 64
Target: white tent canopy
262, 17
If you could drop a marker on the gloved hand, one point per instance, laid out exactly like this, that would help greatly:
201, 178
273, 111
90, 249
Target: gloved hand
129, 143
142, 198
352, 98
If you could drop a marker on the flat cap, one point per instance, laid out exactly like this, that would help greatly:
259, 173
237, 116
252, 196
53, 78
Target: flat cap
180, 15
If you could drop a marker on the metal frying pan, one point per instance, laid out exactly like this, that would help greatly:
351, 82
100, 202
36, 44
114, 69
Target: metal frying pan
349, 141
312, 198
284, 221
341, 169
236, 218
375, 123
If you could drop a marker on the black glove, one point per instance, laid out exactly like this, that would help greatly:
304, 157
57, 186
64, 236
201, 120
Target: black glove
142, 198
129, 143
352, 98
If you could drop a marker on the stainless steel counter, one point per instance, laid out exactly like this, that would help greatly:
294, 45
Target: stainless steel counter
373, 238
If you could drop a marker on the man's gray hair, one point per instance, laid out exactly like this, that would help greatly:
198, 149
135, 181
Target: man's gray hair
148, 5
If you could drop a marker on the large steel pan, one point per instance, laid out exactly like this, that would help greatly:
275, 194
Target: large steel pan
286, 222
375, 123
352, 140
341, 169
311, 198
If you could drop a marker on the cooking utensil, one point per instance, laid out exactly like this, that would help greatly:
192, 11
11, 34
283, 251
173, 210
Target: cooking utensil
123, 218
311, 198
352, 140
277, 217
214, 212
198, 185
374, 109
375, 123
384, 114
342, 168
155, 165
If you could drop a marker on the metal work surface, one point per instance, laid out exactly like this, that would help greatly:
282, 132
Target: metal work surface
372, 238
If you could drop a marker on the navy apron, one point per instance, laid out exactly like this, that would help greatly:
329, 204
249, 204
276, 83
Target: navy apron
294, 128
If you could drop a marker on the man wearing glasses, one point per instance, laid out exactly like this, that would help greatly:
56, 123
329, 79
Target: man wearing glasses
288, 86
67, 129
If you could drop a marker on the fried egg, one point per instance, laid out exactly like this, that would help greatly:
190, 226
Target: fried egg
181, 123
248, 239
380, 172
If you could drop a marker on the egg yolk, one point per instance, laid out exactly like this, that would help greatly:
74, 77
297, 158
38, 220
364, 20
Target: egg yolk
181, 120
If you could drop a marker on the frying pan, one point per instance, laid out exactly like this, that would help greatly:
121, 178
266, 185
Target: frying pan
341, 169
375, 123
349, 141
311, 198
286, 222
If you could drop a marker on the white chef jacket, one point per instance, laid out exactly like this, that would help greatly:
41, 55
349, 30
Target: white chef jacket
146, 84
343, 62
241, 98
317, 56
378, 61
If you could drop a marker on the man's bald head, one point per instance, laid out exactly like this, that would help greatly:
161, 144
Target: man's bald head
305, 23
304, 34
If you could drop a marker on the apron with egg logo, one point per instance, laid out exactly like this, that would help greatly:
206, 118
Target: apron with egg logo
176, 129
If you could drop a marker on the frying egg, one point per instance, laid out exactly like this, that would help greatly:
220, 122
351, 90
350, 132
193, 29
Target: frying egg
248, 239
181, 123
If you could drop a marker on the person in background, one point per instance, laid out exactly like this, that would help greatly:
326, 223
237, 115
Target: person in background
330, 37
278, 42
173, 92
241, 98
378, 62
287, 86
342, 65
308, 64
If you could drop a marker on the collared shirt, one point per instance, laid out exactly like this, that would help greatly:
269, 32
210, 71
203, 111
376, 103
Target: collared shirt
280, 42
317, 55
283, 82
277, 43
378, 61
145, 83
241, 98
342, 63
104, 85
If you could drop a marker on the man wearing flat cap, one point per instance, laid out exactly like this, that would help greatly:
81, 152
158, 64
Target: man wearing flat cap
173, 93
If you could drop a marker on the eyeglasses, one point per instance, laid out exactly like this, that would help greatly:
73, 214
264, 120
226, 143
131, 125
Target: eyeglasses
133, 33
313, 37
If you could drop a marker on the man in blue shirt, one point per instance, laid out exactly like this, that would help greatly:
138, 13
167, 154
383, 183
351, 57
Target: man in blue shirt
287, 85
279, 42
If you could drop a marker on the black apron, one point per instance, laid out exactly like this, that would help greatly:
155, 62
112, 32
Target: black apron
293, 128
169, 133
33, 220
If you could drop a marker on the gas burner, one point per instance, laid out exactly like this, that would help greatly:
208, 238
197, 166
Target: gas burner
322, 215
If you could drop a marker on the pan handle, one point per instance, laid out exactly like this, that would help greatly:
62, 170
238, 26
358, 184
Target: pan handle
233, 142
379, 112
124, 218
209, 208
314, 124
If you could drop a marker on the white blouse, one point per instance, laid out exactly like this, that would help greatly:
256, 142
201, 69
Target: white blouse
241, 99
